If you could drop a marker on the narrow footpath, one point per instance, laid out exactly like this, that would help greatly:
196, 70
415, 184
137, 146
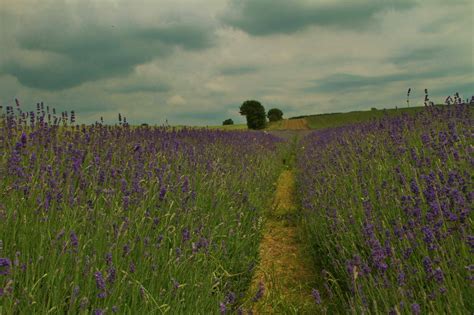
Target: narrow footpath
283, 278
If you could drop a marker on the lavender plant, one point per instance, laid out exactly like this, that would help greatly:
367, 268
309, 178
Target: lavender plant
120, 219
387, 212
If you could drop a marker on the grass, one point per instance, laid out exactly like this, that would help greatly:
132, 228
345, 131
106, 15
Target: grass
284, 271
229, 127
323, 121
275, 125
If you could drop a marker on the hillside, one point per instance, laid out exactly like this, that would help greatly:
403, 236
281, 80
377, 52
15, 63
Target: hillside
322, 121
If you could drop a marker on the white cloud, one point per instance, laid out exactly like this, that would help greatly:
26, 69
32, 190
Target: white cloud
176, 100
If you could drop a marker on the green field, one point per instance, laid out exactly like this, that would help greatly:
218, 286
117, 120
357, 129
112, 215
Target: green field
322, 121
330, 120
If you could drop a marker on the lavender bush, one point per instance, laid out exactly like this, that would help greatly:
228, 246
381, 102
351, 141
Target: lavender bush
121, 219
387, 211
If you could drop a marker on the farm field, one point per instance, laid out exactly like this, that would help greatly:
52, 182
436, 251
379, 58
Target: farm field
332, 120
117, 219
387, 213
244, 157
365, 218
329, 120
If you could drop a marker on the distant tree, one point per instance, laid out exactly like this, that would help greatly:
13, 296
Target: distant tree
255, 114
275, 114
227, 122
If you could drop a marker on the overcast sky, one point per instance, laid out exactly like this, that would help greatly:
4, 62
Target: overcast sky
195, 61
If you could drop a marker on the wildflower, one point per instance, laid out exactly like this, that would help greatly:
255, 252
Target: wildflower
111, 275
260, 292
438, 275
186, 235
401, 278
231, 298
126, 250
162, 193
415, 308
99, 280
23, 139
427, 265
5, 266
222, 308
108, 259
74, 241
132, 268
316, 296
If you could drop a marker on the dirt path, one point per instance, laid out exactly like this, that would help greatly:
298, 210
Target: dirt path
295, 124
284, 273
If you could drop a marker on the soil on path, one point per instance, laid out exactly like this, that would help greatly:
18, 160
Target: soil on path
295, 124
284, 273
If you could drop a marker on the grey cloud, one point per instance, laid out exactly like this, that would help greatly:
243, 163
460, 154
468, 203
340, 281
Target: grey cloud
214, 116
436, 54
238, 70
464, 89
93, 51
344, 82
267, 17
146, 87
417, 55
191, 37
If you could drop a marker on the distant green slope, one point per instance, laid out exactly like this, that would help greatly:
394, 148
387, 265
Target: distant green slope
331, 120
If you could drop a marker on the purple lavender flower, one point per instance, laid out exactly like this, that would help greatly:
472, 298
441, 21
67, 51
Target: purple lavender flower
100, 283
438, 275
23, 139
108, 259
260, 292
74, 241
427, 264
415, 308
111, 275
316, 296
231, 298
401, 278
186, 234
126, 250
414, 187
162, 193
5, 266
222, 308
132, 268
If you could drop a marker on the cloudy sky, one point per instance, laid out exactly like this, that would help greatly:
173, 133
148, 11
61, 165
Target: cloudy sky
195, 61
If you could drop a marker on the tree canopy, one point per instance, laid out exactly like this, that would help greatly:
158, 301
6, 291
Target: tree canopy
228, 122
275, 114
254, 112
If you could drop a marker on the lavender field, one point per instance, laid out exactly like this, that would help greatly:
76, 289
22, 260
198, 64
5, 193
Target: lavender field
115, 219
246, 157
387, 213
124, 219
